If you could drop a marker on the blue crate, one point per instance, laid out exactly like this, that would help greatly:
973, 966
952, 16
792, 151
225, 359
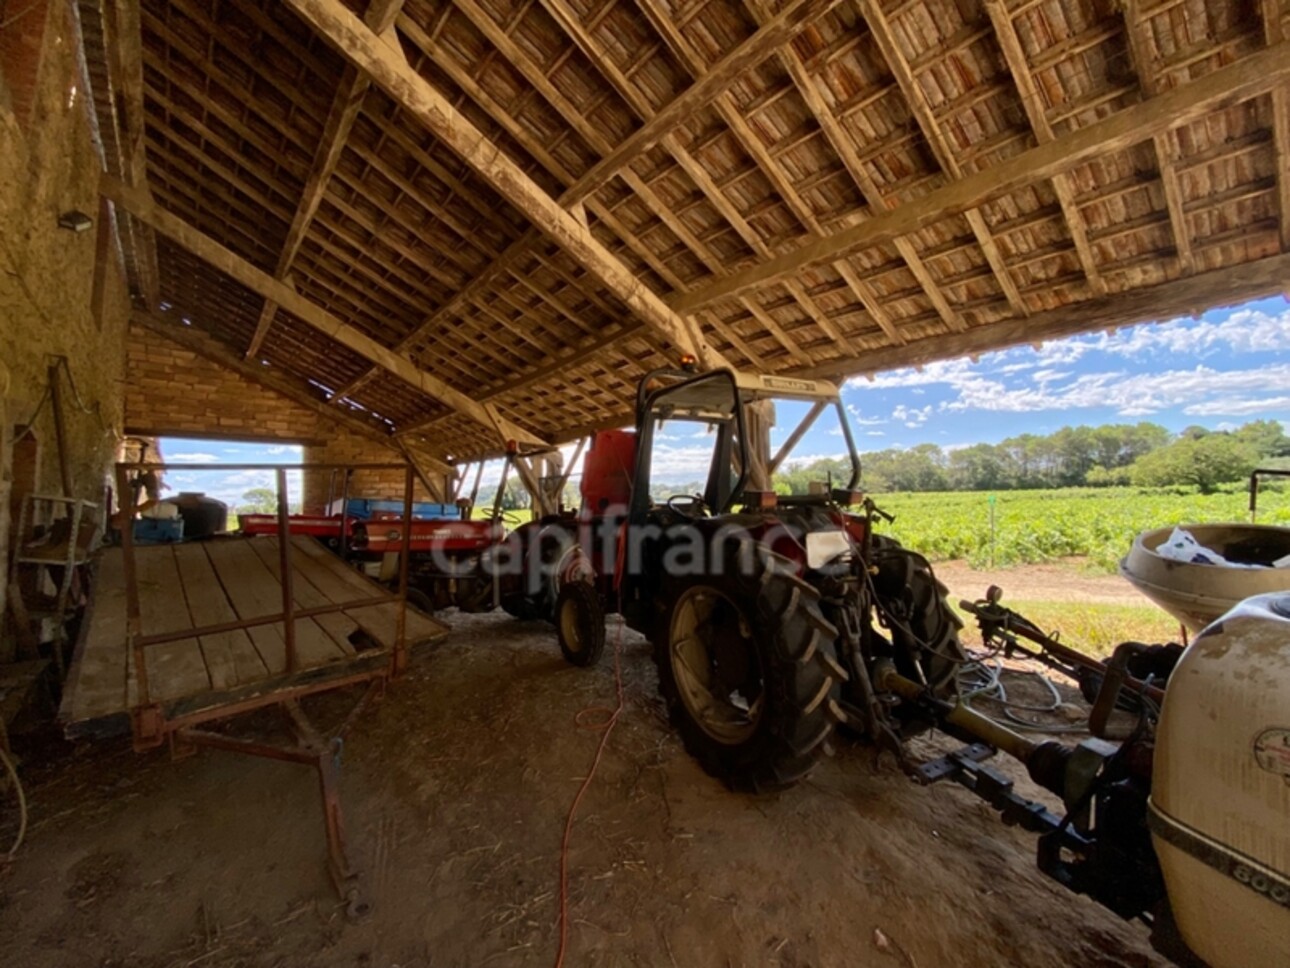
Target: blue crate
150, 531
363, 508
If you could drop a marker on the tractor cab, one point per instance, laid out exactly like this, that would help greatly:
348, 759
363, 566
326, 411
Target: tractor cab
732, 413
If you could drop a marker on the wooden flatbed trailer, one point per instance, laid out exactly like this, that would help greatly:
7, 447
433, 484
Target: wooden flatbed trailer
180, 637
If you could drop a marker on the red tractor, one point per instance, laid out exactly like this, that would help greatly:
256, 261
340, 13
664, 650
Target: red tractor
767, 612
776, 618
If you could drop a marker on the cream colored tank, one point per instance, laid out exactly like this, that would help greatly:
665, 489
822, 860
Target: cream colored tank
1220, 802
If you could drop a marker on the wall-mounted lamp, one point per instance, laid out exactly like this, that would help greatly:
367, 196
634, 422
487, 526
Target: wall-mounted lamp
75, 221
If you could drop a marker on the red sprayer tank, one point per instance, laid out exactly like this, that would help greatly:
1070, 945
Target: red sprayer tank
607, 470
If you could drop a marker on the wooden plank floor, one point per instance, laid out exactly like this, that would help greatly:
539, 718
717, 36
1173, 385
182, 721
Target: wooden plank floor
188, 586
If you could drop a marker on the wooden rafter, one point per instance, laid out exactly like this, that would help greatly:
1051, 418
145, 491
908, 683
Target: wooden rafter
124, 28
845, 149
521, 61
340, 121
390, 69
710, 85
770, 167
141, 206
944, 152
1185, 296
1274, 33
215, 351
568, 20
774, 33
1164, 142
1028, 92
1253, 75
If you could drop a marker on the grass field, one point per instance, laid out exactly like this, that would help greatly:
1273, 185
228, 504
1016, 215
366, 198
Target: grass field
1098, 524
1030, 527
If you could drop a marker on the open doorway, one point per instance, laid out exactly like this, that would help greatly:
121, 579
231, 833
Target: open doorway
192, 471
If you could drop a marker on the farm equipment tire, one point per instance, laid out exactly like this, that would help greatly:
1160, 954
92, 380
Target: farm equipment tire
580, 623
524, 607
747, 667
918, 611
420, 601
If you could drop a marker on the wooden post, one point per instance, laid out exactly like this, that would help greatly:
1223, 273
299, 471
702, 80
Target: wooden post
133, 623
60, 431
284, 570
400, 661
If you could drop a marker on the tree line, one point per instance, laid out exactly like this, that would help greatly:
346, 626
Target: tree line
1142, 454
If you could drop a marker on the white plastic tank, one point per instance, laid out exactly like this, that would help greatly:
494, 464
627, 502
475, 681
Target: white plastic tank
1220, 802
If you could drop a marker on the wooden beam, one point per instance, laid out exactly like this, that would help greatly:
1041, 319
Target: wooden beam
775, 33
946, 156
1189, 295
340, 121
123, 25
388, 68
795, 17
211, 349
381, 14
141, 206
1274, 33
1032, 102
1251, 76
845, 149
265, 322
1164, 142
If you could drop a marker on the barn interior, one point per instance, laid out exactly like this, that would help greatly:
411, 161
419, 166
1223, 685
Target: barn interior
411, 235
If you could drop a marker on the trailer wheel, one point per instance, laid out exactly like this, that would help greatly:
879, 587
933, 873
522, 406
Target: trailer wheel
580, 623
747, 667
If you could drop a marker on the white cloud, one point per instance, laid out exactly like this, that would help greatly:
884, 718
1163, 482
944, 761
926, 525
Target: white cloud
1238, 407
911, 416
858, 418
680, 463
874, 433
1198, 391
192, 458
278, 449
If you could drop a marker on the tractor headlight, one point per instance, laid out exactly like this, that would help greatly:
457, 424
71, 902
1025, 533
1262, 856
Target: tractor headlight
823, 546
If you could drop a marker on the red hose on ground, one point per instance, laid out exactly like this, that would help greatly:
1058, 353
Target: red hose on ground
606, 726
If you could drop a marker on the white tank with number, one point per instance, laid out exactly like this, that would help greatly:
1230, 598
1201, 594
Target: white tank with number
1220, 802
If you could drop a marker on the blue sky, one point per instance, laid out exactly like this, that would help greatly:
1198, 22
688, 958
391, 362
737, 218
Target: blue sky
228, 486
1221, 369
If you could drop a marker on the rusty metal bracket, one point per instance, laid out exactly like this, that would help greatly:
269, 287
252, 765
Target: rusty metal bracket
323, 753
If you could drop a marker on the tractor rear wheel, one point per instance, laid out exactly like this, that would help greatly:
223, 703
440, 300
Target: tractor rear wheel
747, 667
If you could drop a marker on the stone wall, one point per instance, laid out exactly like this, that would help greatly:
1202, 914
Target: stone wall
49, 165
172, 391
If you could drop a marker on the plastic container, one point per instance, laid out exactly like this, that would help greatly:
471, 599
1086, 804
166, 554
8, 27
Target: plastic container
202, 515
1220, 788
151, 531
1197, 594
607, 471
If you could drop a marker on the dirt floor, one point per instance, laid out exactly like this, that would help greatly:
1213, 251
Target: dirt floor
1066, 581
456, 789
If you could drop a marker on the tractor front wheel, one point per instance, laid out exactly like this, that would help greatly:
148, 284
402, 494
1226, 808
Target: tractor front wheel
580, 623
747, 667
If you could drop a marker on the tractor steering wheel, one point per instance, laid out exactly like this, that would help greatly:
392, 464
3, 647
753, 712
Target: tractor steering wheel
509, 518
695, 508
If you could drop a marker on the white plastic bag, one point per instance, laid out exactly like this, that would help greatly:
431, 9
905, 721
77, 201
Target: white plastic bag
1183, 546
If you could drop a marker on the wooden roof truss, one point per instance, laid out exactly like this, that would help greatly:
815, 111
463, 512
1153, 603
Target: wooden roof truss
469, 221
